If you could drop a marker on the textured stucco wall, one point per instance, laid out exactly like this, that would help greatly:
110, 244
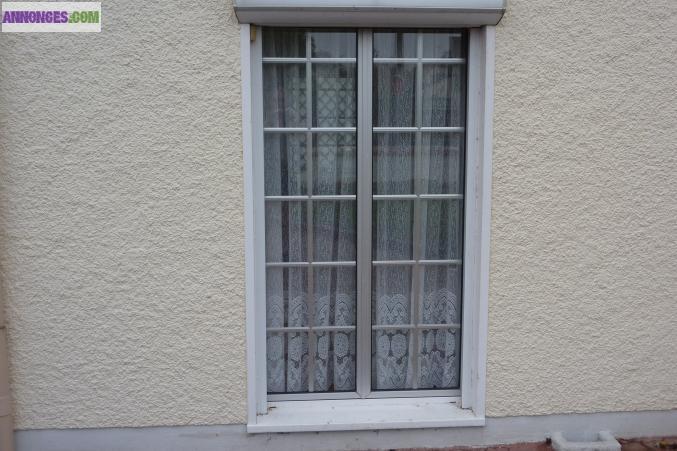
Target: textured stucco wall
583, 290
121, 230
122, 219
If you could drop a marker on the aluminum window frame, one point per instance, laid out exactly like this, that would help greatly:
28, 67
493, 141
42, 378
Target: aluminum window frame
475, 244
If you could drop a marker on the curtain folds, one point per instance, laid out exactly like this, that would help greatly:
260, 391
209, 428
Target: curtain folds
311, 244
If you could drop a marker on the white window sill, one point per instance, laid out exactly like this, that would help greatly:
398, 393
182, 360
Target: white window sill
364, 414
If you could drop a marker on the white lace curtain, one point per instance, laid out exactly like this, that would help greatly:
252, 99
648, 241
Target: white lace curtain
328, 357
405, 294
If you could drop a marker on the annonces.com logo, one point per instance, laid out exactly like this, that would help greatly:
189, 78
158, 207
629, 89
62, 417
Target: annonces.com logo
36, 17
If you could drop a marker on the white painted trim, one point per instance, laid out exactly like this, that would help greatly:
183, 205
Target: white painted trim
234, 437
477, 218
361, 414
482, 328
254, 225
476, 254
250, 311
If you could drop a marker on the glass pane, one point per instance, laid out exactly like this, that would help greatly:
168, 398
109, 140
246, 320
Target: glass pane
334, 163
284, 43
442, 163
286, 239
392, 226
288, 350
442, 45
335, 230
391, 360
393, 163
275, 358
285, 164
335, 296
439, 352
395, 44
335, 361
333, 44
394, 93
442, 229
284, 95
334, 95
443, 95
441, 302
286, 291
391, 295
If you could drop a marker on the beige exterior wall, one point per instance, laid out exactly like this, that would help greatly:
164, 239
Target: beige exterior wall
121, 225
583, 281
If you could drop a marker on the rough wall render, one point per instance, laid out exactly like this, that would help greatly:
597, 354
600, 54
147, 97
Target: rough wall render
122, 219
121, 215
583, 308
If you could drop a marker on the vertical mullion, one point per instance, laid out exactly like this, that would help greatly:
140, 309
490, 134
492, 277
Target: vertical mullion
364, 176
417, 234
310, 298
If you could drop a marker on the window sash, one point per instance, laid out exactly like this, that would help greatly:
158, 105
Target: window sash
365, 200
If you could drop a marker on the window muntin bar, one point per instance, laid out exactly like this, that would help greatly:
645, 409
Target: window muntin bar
415, 129
310, 129
275, 60
420, 60
304, 264
311, 197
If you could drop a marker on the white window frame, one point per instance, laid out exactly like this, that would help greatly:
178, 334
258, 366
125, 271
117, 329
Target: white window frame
265, 415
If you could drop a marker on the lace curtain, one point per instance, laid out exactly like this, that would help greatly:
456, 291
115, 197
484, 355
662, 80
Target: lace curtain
406, 296
298, 164
424, 298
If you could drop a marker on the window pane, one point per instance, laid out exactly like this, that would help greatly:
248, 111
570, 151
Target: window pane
334, 95
288, 350
285, 164
284, 43
391, 360
333, 44
286, 297
335, 361
334, 163
392, 227
395, 44
334, 230
443, 95
394, 94
286, 239
335, 296
442, 161
284, 95
391, 293
442, 229
442, 45
441, 294
393, 163
439, 353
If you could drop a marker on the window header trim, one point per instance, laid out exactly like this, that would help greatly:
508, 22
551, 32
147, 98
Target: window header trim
371, 13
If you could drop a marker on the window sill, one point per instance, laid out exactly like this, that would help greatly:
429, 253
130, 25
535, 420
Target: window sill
364, 414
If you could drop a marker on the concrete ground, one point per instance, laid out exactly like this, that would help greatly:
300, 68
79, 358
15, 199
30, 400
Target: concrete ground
636, 444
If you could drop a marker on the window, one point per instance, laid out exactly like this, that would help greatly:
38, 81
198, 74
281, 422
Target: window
367, 175
410, 299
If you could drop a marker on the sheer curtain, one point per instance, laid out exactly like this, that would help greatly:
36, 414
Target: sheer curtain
416, 243
310, 150
310, 308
